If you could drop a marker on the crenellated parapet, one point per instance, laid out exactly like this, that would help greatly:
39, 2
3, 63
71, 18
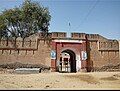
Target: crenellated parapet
92, 36
75, 35
95, 37
32, 41
78, 35
58, 34
18, 44
109, 45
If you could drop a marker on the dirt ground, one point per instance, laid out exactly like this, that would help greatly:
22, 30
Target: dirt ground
55, 80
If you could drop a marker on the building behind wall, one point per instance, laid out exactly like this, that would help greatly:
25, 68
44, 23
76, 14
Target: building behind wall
35, 50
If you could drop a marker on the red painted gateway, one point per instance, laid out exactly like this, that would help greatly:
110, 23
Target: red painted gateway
82, 52
70, 54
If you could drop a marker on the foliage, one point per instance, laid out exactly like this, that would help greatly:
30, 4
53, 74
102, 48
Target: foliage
24, 21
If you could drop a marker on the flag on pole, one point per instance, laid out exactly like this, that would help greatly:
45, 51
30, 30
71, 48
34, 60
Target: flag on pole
69, 23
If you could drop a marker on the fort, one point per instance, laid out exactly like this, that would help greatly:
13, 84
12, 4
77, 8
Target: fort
80, 52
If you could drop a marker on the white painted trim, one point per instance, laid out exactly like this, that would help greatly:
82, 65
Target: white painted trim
98, 44
70, 41
78, 63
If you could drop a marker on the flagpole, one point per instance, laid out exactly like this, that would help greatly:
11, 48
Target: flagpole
69, 32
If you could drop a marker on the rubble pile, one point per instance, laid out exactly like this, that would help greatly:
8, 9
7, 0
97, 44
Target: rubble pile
16, 65
107, 68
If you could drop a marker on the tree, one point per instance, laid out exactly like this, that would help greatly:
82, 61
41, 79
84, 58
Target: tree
23, 21
3, 33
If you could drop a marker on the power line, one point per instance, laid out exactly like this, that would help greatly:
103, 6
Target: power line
88, 14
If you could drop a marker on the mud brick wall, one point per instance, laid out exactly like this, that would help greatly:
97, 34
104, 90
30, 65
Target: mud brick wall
33, 52
104, 54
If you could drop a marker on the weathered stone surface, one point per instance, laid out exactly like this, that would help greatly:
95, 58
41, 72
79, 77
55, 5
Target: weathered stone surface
36, 51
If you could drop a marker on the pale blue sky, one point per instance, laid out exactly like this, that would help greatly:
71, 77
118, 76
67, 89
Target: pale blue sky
103, 19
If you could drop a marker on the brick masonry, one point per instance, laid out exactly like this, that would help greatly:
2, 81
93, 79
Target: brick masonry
35, 50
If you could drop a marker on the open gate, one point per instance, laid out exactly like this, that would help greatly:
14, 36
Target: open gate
67, 61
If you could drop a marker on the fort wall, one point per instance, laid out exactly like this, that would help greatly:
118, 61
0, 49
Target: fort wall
104, 53
35, 50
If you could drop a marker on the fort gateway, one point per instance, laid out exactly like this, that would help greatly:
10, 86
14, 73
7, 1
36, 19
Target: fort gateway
80, 52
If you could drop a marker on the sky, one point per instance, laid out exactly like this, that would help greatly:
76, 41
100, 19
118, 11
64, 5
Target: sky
83, 16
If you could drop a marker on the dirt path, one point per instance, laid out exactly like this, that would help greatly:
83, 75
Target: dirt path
55, 80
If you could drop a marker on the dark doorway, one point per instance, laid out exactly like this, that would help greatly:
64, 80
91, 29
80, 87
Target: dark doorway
72, 60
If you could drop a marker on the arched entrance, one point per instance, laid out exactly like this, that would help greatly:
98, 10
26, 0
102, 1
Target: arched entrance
76, 50
67, 61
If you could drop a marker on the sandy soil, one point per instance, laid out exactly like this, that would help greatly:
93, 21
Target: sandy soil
55, 80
